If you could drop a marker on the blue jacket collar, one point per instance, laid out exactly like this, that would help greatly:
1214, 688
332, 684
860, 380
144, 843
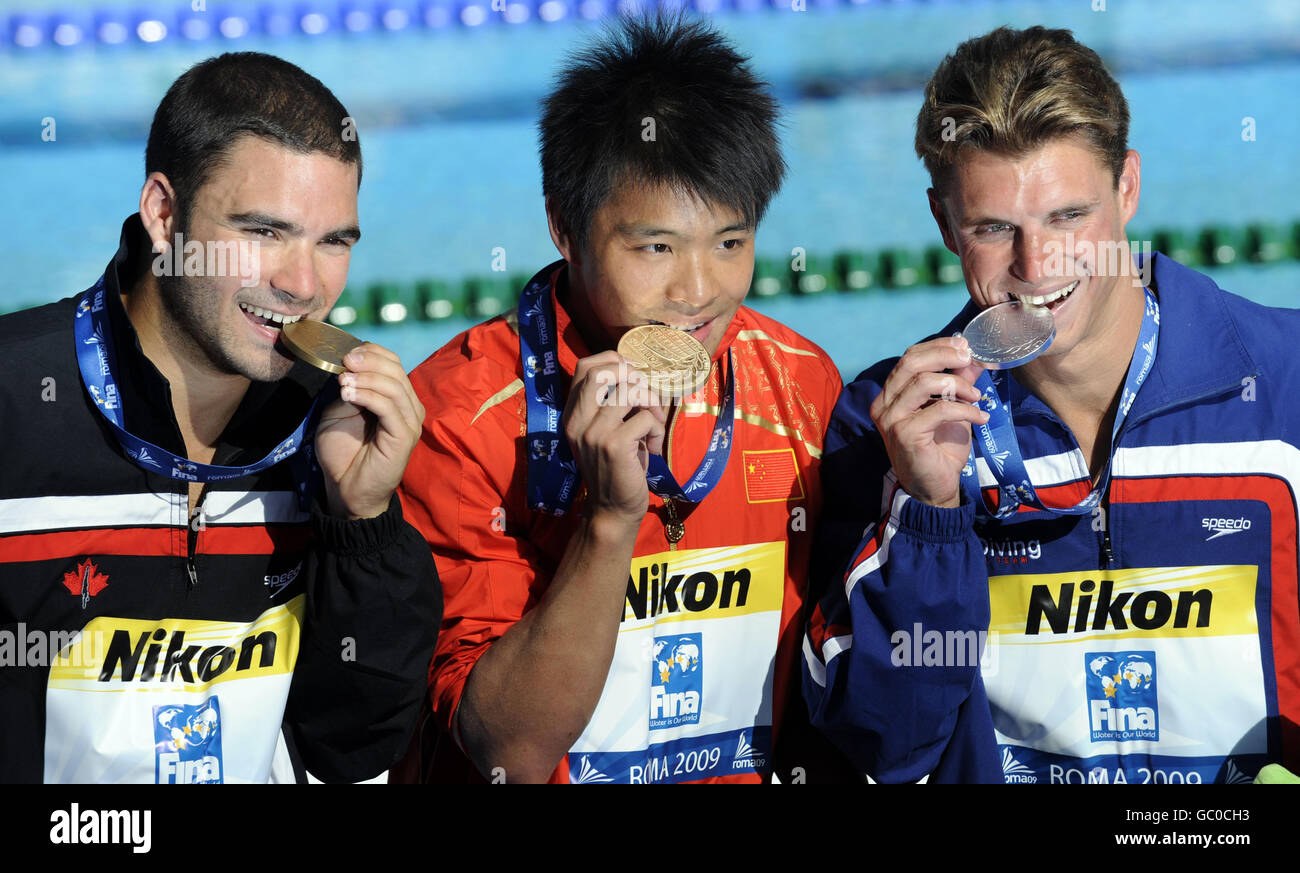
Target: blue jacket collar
1201, 353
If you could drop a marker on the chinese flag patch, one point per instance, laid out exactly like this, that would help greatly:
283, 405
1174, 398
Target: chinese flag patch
772, 475
86, 580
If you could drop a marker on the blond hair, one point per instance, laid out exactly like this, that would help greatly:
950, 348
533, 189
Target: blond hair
1011, 91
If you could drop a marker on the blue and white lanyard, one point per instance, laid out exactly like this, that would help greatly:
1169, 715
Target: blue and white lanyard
97, 361
996, 441
553, 474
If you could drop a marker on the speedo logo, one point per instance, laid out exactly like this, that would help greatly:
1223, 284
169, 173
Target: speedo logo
275, 583
1221, 527
1100, 608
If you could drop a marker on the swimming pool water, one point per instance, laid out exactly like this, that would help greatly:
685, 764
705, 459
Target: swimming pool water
447, 127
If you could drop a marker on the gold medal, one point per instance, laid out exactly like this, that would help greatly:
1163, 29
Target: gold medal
319, 344
675, 363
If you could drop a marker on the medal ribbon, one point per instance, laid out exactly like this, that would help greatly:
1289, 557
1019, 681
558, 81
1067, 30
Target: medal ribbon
97, 361
553, 474
996, 441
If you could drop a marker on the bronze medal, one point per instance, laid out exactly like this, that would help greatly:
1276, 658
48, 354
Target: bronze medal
674, 528
319, 344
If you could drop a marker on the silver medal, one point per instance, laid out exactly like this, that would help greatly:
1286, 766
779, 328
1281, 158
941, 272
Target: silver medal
1010, 334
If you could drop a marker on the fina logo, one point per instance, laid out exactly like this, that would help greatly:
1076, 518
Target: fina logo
187, 743
284, 450
1121, 696
676, 681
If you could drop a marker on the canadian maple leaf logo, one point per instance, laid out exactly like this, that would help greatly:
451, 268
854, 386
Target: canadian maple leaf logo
86, 580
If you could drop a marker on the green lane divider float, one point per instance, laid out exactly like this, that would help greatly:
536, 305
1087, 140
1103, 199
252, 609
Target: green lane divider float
814, 273
802, 274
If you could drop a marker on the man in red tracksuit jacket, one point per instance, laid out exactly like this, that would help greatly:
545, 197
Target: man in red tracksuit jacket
636, 637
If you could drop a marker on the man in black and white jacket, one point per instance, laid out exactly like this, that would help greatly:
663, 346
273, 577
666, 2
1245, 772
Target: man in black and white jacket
204, 574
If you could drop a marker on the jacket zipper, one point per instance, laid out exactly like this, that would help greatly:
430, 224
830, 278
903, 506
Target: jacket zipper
192, 538
1107, 553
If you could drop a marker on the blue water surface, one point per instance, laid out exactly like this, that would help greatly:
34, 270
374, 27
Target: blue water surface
447, 123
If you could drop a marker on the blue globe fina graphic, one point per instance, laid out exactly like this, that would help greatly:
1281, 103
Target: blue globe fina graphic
676, 680
1122, 702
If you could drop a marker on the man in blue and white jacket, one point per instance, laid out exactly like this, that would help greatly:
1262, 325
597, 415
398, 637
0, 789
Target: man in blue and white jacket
1139, 589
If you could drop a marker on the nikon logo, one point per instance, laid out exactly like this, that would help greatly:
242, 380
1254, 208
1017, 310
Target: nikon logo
145, 654
656, 590
1146, 610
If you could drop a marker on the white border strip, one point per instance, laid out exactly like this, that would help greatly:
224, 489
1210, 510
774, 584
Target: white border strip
24, 514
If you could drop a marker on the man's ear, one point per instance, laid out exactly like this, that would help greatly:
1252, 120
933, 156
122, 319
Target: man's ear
560, 235
158, 211
941, 218
1129, 187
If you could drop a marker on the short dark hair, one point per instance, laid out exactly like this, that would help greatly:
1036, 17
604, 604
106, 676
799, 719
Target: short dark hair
1010, 91
714, 122
219, 100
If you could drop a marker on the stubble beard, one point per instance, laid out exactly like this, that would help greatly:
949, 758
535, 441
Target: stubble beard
193, 306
